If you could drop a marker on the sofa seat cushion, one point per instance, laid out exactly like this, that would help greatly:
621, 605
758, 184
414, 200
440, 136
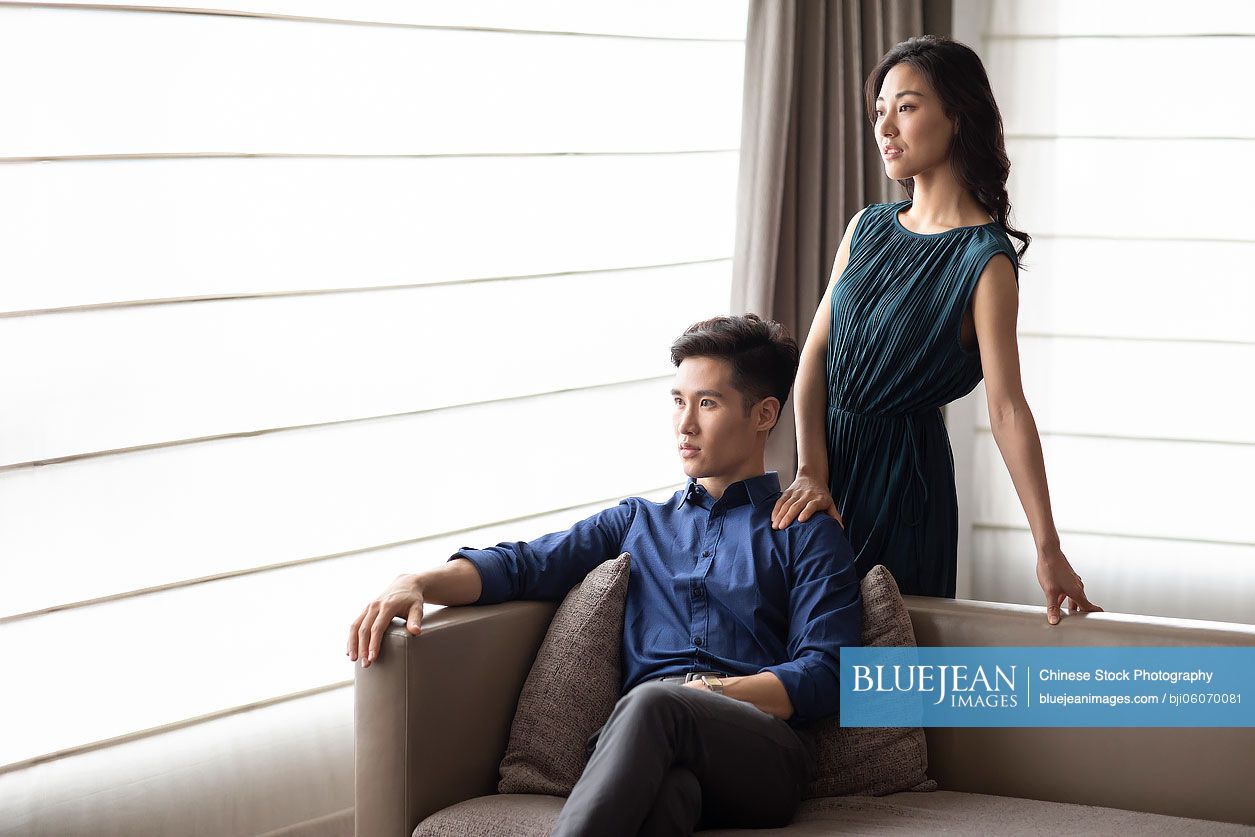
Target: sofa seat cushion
906, 812
954, 812
497, 815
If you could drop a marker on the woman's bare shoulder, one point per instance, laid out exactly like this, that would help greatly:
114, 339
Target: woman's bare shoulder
849, 228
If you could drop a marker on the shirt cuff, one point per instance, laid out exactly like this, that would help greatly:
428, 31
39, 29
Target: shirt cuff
811, 701
495, 583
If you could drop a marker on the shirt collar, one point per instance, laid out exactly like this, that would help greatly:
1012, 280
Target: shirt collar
756, 489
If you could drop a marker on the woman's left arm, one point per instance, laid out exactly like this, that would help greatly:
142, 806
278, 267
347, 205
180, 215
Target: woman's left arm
995, 308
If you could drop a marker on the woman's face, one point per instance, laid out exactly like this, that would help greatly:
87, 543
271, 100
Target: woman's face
909, 117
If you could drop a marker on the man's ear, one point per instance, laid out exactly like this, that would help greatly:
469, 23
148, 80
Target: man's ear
767, 412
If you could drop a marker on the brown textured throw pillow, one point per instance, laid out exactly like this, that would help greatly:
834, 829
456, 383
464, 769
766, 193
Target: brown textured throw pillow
872, 761
572, 687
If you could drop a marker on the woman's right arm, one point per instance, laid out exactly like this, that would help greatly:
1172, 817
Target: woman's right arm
809, 493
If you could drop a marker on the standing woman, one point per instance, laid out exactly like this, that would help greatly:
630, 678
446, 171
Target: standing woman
922, 304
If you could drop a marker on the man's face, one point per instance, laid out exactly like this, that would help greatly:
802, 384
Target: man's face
715, 436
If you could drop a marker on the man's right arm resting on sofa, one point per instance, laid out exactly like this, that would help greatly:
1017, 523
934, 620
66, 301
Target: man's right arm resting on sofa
543, 568
456, 582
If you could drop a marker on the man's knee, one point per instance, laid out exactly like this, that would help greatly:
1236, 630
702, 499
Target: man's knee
678, 805
681, 785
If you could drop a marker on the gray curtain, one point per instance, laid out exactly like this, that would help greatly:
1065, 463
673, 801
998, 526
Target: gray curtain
808, 159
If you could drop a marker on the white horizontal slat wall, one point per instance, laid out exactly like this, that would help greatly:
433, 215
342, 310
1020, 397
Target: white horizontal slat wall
336, 357
296, 296
187, 83
1130, 168
265, 225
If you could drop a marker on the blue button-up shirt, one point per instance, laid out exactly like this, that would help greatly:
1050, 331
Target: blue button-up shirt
712, 587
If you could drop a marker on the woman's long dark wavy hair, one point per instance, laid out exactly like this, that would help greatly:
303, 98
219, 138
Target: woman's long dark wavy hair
978, 155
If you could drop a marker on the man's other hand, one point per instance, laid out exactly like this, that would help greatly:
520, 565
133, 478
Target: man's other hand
403, 597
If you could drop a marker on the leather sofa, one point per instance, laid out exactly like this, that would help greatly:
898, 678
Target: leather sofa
432, 717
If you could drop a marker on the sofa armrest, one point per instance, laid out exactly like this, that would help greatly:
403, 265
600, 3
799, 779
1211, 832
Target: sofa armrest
432, 714
1199, 772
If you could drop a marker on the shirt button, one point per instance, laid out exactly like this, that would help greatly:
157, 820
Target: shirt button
697, 640
706, 554
698, 593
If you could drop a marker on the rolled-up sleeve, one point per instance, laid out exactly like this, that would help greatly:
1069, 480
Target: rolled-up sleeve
549, 566
825, 614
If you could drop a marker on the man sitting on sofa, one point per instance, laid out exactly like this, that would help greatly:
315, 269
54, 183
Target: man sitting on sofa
732, 629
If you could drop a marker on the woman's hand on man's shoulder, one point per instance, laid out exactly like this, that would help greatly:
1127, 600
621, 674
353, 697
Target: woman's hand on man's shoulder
802, 500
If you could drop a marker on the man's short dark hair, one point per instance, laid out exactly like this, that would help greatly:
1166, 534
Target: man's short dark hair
762, 355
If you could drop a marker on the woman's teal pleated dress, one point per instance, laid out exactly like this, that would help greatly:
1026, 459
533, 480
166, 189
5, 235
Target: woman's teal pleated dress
894, 360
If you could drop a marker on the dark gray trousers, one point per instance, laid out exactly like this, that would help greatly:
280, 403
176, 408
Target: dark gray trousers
673, 759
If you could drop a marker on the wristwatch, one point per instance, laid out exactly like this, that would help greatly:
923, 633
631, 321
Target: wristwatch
715, 684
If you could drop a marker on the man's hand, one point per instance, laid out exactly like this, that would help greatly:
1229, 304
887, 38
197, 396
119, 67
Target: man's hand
403, 597
803, 499
764, 690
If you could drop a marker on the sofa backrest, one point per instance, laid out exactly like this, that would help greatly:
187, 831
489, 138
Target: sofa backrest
1201, 772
